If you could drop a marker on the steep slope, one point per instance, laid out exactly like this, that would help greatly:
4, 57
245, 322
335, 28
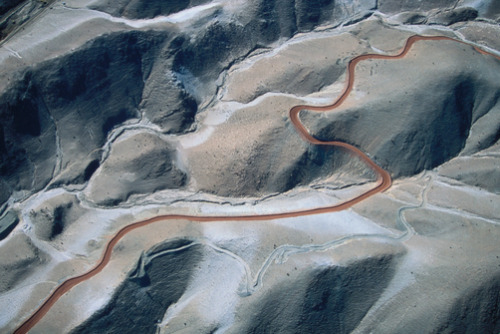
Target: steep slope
52, 107
140, 164
160, 279
452, 104
159, 134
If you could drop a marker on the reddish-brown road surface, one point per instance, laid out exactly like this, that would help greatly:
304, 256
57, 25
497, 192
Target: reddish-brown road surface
384, 182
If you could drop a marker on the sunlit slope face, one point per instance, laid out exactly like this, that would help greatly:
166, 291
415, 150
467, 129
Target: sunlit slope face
444, 104
59, 113
62, 110
166, 74
164, 114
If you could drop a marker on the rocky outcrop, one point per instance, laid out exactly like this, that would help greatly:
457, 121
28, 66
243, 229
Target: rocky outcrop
449, 17
169, 100
438, 17
53, 217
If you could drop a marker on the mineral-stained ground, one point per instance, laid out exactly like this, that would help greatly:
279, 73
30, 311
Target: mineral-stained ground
116, 111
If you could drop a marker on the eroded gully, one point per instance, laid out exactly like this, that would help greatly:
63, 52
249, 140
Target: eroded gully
383, 183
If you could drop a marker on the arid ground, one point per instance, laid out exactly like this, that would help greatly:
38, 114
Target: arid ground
262, 166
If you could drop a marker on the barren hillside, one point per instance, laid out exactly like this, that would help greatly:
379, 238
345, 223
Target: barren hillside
197, 166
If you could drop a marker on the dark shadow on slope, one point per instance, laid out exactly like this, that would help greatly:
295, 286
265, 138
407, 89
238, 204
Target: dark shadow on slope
221, 43
397, 6
81, 96
328, 300
144, 9
417, 134
476, 312
143, 298
54, 216
27, 138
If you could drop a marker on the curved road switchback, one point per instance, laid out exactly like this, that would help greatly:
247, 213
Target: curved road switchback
383, 183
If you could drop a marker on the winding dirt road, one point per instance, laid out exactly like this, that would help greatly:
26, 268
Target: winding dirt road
383, 183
